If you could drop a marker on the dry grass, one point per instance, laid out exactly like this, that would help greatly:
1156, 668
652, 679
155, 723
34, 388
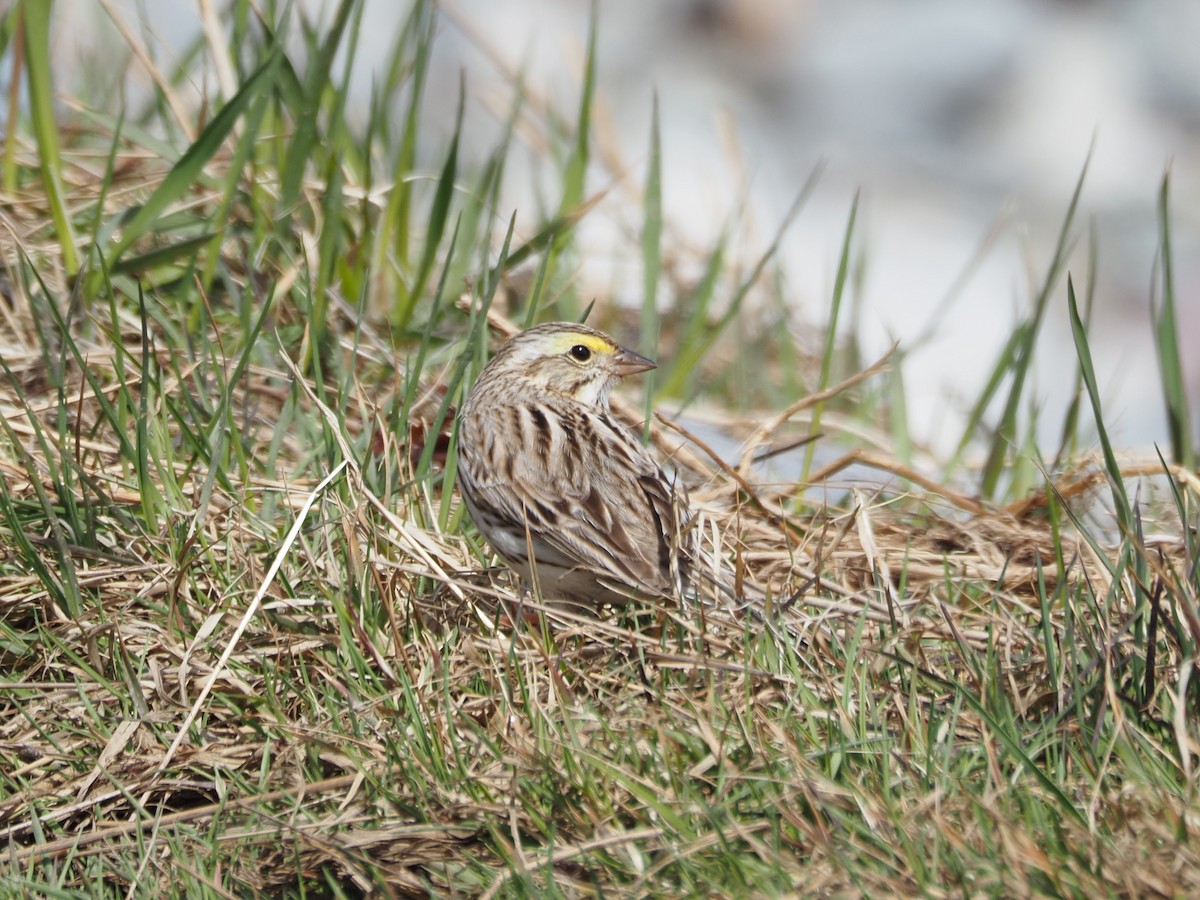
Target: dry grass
377, 717
249, 643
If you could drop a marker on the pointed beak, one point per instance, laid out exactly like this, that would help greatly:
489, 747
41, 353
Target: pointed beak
626, 362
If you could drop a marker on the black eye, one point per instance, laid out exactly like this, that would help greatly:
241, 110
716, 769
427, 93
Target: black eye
581, 353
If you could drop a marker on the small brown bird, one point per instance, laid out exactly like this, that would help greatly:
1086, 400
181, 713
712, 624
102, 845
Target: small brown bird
562, 491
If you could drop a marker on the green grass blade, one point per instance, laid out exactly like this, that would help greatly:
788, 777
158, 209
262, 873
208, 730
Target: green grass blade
229, 192
680, 373
1006, 360
651, 256
1069, 441
1005, 438
64, 588
316, 81
19, 544
702, 334
153, 504
420, 26
835, 308
329, 249
1124, 512
897, 405
439, 418
1166, 341
439, 215
160, 257
70, 347
188, 169
45, 125
576, 171
12, 34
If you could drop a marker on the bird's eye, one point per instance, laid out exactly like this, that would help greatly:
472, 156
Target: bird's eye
581, 353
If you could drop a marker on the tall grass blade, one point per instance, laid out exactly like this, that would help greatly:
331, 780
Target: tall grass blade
45, 125
151, 498
651, 255
316, 81
1005, 438
423, 465
1005, 362
189, 167
12, 34
1068, 442
62, 338
418, 28
679, 375
547, 236
701, 333
576, 172
1124, 512
339, 153
897, 406
1166, 341
229, 191
439, 215
161, 257
835, 309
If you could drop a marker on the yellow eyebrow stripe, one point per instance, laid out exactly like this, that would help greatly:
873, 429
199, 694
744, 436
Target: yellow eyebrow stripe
597, 344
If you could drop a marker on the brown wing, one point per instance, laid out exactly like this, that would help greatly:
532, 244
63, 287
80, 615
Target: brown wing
611, 509
625, 510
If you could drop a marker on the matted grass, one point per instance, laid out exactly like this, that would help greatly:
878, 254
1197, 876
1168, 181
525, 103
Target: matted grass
249, 642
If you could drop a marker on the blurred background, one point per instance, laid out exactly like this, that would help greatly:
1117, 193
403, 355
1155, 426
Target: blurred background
963, 128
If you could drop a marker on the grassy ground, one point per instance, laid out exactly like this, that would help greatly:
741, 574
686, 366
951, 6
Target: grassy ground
249, 642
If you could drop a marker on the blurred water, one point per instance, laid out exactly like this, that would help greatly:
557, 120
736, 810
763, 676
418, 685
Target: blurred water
948, 116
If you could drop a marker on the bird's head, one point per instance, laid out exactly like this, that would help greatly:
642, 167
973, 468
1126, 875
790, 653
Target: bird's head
571, 359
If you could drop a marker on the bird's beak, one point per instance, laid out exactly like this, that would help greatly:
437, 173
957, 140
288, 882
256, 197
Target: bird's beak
626, 362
